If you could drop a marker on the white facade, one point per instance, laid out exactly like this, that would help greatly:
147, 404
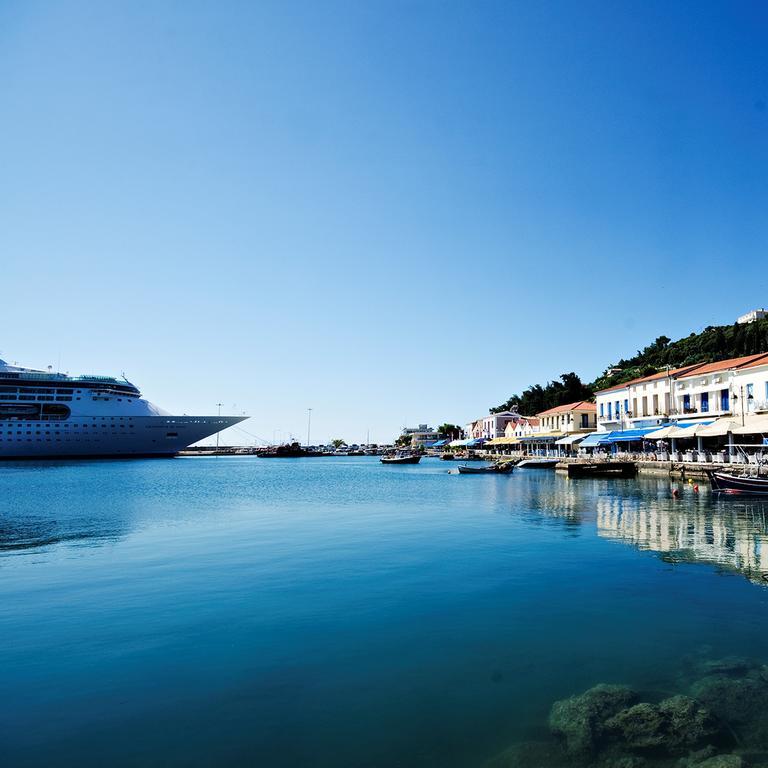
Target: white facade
490, 426
751, 316
643, 403
696, 392
495, 423
730, 392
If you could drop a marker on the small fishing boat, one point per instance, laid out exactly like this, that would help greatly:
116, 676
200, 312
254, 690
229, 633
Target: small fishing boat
538, 463
411, 458
728, 482
495, 469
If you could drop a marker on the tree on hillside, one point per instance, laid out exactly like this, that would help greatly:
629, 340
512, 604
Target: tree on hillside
569, 389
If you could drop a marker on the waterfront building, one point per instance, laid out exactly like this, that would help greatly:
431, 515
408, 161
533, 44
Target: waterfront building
645, 402
687, 400
474, 429
421, 435
491, 426
572, 417
523, 427
724, 388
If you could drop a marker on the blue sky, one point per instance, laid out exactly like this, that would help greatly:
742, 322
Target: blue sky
387, 212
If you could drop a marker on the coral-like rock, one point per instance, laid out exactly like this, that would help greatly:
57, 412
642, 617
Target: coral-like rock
737, 701
722, 761
675, 726
580, 720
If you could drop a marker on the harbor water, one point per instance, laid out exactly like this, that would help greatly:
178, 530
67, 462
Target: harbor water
335, 612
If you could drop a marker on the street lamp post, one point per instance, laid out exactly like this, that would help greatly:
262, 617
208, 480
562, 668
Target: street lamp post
309, 424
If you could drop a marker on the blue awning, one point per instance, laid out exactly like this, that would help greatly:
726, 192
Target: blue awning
439, 443
629, 435
476, 441
593, 439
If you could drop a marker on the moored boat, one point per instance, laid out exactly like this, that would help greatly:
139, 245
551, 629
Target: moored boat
538, 463
412, 458
504, 468
728, 482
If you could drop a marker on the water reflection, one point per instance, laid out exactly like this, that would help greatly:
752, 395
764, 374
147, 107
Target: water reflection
697, 529
27, 533
44, 504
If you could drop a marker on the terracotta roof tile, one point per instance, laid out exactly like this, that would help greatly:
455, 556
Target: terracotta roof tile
582, 405
673, 372
735, 362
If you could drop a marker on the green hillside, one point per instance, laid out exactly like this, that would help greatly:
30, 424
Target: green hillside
713, 343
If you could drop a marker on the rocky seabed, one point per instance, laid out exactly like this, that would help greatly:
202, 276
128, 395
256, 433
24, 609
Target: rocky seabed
718, 719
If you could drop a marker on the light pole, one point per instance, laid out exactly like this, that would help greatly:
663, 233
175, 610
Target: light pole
217, 434
309, 424
741, 396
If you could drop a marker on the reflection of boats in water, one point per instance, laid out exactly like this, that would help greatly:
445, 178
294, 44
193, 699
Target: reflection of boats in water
730, 482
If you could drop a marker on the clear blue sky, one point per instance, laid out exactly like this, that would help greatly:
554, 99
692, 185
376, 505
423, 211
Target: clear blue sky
384, 211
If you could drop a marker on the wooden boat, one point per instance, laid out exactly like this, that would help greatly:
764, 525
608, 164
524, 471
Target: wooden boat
409, 459
538, 463
494, 469
727, 482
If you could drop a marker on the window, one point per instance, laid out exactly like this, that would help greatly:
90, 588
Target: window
686, 403
585, 418
704, 402
601, 410
617, 409
750, 397
626, 406
725, 399
610, 411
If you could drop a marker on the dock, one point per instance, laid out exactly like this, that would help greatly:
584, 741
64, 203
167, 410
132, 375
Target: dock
599, 469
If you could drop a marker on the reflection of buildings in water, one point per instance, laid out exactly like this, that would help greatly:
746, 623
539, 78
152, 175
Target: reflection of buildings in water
691, 530
558, 500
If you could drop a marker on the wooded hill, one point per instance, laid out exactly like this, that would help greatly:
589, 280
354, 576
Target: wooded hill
716, 342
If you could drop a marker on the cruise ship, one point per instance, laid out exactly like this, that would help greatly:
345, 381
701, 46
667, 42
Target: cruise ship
54, 415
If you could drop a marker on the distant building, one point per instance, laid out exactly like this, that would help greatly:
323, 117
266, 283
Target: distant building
491, 426
421, 435
751, 316
523, 427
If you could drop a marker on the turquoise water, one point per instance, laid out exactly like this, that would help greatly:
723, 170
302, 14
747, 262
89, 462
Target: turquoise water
335, 612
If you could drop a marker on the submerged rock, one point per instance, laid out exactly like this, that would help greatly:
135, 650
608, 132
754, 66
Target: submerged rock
736, 666
532, 753
580, 720
732, 700
675, 726
722, 761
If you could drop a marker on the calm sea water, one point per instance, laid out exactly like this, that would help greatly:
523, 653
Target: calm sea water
336, 612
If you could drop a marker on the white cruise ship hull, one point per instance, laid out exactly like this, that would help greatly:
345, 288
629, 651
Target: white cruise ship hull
90, 437
46, 415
